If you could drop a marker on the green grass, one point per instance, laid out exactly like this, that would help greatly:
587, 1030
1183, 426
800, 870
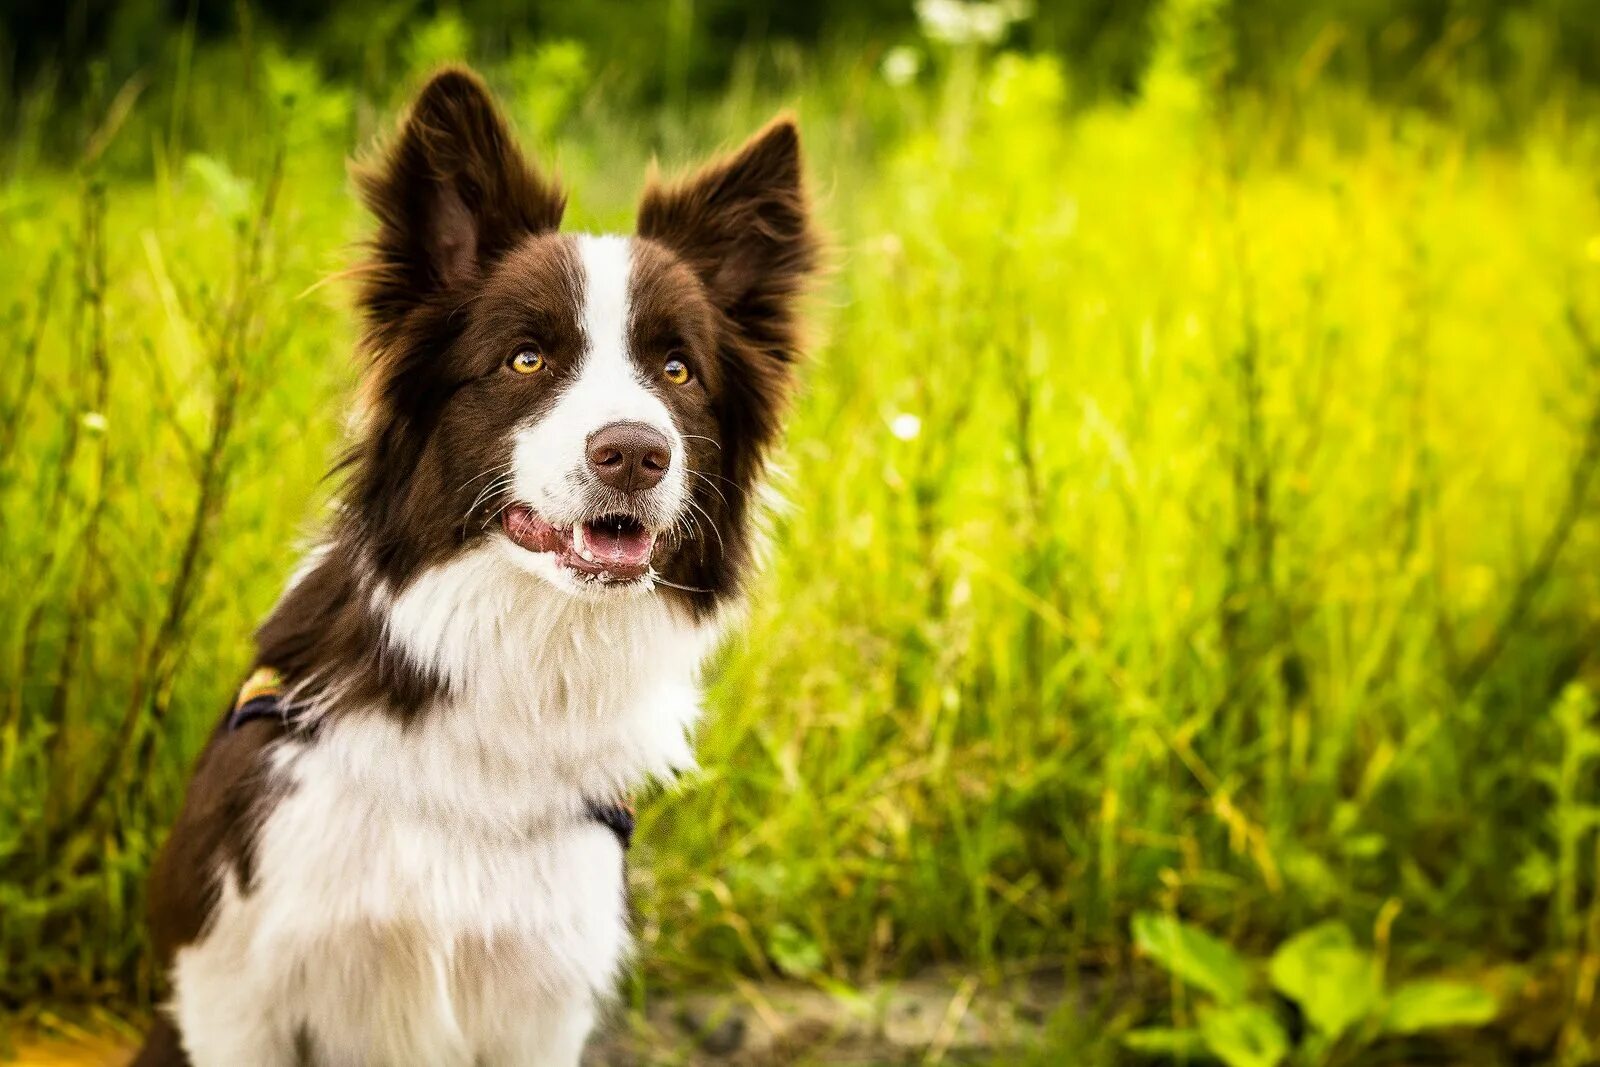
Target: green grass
1191, 507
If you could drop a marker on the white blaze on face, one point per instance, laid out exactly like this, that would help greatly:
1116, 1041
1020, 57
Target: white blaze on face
550, 454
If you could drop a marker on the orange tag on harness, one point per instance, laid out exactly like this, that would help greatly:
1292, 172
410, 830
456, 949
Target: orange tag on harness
263, 682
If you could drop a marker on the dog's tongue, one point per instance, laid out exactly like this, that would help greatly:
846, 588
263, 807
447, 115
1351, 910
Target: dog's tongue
624, 548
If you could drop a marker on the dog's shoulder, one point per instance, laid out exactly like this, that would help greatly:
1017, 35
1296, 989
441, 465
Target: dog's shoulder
215, 832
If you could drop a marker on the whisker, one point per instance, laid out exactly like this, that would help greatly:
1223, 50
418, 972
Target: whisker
501, 510
720, 545
499, 484
496, 484
710, 483
698, 437
496, 512
690, 525
674, 585
722, 478
485, 474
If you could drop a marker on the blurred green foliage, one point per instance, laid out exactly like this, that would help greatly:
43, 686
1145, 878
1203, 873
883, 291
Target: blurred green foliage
661, 51
1191, 508
1336, 987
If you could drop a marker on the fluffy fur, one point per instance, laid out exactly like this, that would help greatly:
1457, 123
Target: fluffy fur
407, 872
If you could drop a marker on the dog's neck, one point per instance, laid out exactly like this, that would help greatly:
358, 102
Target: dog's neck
492, 634
536, 701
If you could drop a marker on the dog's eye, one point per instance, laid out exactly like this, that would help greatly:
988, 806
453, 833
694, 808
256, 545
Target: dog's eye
527, 361
676, 371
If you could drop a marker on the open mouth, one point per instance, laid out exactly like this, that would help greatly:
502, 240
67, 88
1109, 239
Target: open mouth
611, 548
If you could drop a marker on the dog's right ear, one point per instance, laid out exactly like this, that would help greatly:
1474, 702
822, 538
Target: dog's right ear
451, 195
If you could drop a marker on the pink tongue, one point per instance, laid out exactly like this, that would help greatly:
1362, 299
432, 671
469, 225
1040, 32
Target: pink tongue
627, 548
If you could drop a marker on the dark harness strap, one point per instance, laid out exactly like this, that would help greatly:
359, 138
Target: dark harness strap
259, 708
618, 818
261, 698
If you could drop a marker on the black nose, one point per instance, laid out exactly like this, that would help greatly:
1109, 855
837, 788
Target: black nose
629, 456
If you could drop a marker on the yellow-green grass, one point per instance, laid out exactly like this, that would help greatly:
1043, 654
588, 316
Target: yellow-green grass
1188, 508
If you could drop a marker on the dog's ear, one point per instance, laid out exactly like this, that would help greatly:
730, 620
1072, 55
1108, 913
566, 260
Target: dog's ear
451, 195
743, 224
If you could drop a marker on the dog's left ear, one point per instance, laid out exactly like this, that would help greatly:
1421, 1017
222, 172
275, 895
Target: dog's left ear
452, 195
743, 225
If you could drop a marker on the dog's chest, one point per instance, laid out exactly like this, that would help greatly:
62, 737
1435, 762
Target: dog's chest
433, 919
477, 864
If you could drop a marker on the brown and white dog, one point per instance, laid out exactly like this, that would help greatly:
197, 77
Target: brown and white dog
547, 517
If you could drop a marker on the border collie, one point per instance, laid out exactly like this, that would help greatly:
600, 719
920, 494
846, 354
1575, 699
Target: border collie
403, 847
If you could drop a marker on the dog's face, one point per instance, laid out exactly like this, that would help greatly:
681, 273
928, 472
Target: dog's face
599, 407
585, 411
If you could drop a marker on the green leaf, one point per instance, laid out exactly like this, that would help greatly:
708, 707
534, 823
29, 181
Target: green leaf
1535, 876
795, 953
1431, 1004
1309, 873
1363, 846
1335, 983
228, 192
1244, 1035
1167, 1042
1193, 955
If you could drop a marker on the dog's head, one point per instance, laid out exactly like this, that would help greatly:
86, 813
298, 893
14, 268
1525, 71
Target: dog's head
598, 406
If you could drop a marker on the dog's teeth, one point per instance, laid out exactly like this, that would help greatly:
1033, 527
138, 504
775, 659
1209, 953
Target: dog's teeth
580, 543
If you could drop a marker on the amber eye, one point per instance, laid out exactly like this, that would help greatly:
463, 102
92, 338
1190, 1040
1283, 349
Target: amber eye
676, 371
527, 361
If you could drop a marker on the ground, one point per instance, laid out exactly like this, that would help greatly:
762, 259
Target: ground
932, 1019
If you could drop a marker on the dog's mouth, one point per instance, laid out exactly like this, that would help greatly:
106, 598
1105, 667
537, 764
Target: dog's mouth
611, 548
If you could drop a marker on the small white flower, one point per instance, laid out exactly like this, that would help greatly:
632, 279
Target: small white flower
94, 422
958, 22
988, 22
943, 20
905, 426
901, 64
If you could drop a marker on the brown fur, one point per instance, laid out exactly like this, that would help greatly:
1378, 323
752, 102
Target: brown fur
742, 226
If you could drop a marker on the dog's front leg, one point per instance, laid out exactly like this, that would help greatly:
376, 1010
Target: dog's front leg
211, 1040
551, 1036
225, 1016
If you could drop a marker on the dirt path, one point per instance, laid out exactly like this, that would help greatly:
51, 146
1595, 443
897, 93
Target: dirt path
925, 1020
66, 1052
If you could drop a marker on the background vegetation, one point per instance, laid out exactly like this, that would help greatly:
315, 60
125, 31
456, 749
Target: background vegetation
1191, 537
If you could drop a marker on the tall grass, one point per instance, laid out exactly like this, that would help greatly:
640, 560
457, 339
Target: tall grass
1191, 507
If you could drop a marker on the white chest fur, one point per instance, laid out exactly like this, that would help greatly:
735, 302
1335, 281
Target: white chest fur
432, 893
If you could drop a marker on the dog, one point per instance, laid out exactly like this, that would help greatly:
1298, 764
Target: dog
404, 844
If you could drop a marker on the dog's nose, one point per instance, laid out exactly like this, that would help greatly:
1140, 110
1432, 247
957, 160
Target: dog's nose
629, 456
